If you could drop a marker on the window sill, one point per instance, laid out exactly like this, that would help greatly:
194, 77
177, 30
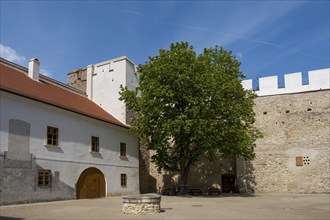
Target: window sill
94, 152
123, 158
45, 187
52, 146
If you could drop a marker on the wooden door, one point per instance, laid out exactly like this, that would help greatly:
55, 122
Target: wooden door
228, 183
91, 184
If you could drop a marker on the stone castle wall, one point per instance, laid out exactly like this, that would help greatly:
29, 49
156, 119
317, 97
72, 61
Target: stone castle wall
294, 120
293, 125
203, 176
78, 79
293, 83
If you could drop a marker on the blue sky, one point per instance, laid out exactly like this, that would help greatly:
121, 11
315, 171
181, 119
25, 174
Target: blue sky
268, 37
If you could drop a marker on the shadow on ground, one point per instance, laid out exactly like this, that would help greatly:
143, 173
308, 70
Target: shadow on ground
9, 218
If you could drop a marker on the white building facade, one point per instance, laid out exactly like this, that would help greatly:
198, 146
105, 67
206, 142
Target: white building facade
102, 82
57, 144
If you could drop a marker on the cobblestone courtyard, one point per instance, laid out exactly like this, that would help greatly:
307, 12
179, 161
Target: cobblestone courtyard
259, 206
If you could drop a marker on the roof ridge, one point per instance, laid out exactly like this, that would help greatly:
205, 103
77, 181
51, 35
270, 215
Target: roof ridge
43, 77
48, 91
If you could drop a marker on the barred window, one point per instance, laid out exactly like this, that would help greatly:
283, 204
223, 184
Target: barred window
44, 177
123, 180
52, 136
95, 144
123, 149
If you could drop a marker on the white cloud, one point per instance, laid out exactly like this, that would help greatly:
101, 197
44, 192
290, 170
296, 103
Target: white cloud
46, 73
11, 55
239, 55
243, 24
136, 13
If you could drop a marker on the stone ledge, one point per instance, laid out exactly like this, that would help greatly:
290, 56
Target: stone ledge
141, 204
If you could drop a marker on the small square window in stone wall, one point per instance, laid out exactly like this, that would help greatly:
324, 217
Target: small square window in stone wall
299, 161
306, 160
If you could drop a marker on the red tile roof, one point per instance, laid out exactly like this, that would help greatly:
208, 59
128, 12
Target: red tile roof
14, 79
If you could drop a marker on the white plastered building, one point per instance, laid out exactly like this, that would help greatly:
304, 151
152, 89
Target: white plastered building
59, 143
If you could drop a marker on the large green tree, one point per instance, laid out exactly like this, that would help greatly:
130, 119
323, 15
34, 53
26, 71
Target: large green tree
190, 107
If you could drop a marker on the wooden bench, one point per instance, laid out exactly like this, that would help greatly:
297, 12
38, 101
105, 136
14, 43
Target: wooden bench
195, 192
167, 192
214, 191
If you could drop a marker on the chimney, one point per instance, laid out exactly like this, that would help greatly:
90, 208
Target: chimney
34, 65
89, 83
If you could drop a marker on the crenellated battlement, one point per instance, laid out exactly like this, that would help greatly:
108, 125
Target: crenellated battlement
318, 80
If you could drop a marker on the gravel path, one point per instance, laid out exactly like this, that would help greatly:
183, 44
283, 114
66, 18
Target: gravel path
259, 206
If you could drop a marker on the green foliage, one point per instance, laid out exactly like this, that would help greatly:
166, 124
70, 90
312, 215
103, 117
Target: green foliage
191, 106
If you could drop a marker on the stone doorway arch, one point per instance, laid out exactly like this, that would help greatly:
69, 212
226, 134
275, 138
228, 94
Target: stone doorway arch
91, 184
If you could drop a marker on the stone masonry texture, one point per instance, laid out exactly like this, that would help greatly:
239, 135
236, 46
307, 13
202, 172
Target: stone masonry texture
293, 125
77, 79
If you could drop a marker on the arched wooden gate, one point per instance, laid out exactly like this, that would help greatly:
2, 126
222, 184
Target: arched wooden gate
91, 184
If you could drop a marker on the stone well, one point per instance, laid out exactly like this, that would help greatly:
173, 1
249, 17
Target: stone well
141, 204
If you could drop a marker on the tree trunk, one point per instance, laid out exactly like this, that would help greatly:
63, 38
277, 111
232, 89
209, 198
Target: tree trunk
184, 181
